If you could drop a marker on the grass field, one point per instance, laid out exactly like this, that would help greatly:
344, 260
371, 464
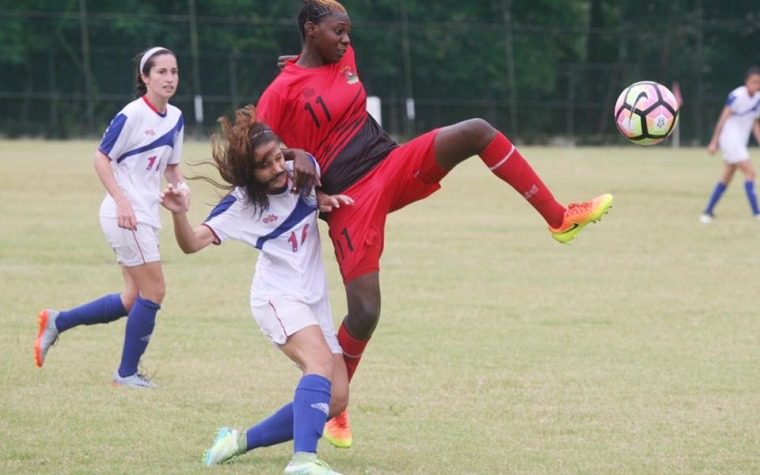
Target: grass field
634, 350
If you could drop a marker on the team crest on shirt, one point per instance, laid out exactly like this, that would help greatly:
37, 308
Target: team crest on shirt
351, 78
309, 197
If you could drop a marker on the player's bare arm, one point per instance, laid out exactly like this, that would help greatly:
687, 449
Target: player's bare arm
189, 240
713, 146
125, 214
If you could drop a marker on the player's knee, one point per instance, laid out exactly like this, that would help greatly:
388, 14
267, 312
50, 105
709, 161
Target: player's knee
128, 298
480, 132
321, 363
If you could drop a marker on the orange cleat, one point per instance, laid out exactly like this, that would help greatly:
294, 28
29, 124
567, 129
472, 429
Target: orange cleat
578, 215
338, 431
47, 335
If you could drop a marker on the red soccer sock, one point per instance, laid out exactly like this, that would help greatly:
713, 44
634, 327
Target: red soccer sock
352, 350
503, 159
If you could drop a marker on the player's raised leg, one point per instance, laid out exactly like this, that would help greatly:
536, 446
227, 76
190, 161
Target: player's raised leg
457, 142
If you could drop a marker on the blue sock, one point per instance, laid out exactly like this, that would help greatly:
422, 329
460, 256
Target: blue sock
103, 310
275, 429
716, 194
749, 187
140, 324
311, 406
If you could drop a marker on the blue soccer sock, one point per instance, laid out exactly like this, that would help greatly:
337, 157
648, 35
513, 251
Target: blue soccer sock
749, 187
716, 194
275, 429
140, 324
103, 310
311, 405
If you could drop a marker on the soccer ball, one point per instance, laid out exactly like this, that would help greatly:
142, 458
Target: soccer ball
646, 113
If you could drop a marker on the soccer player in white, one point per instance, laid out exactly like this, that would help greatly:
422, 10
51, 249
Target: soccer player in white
731, 135
288, 297
142, 144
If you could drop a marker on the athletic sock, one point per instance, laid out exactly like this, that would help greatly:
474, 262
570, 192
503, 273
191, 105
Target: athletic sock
503, 159
140, 324
716, 194
311, 406
275, 429
749, 187
103, 310
352, 350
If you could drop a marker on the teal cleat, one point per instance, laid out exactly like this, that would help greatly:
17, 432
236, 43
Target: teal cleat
227, 445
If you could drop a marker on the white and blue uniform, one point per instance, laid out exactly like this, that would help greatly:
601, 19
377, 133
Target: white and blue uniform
289, 288
140, 142
734, 136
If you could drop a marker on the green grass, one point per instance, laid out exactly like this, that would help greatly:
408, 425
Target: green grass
633, 350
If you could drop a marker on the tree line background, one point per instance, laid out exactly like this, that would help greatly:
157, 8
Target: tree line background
543, 71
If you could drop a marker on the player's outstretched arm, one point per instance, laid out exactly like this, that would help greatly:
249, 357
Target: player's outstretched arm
328, 203
189, 240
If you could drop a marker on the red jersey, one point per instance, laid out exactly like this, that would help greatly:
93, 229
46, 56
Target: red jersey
324, 112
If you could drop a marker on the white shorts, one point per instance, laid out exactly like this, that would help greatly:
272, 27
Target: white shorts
280, 318
132, 248
734, 151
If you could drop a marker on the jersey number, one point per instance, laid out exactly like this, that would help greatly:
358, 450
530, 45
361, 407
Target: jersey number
349, 244
313, 114
294, 240
152, 161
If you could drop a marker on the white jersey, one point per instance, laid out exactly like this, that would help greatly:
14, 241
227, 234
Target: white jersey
745, 109
141, 142
290, 261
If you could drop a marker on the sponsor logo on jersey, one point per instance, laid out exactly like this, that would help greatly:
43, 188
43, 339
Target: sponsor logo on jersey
308, 92
270, 219
150, 132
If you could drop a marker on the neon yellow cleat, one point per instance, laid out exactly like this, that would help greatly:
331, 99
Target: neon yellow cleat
338, 431
579, 215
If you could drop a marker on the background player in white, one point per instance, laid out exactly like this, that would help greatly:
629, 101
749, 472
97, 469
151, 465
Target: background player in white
738, 119
289, 290
143, 142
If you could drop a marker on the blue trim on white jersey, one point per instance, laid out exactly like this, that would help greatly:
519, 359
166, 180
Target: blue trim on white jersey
223, 206
302, 210
166, 139
112, 134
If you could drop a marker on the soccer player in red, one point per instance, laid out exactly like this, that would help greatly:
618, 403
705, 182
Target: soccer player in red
318, 104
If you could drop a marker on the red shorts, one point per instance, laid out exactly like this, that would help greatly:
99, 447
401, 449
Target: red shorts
358, 231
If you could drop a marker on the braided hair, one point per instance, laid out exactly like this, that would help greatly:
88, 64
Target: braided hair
316, 10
